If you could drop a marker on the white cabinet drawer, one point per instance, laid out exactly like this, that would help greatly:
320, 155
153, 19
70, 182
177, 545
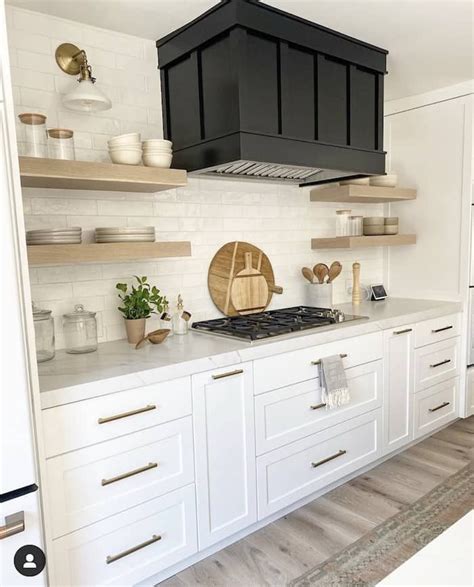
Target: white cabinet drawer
288, 414
296, 366
87, 422
129, 547
437, 329
90, 484
435, 406
297, 470
436, 362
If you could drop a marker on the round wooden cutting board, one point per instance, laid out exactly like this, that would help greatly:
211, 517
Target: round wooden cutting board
227, 264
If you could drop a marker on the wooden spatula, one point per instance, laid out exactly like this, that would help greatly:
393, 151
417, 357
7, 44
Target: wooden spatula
321, 270
334, 271
249, 289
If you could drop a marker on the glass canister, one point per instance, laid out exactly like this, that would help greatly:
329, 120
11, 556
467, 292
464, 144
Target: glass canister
355, 225
61, 144
80, 331
33, 135
342, 222
44, 334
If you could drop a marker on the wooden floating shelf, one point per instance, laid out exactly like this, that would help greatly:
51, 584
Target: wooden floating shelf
362, 194
109, 253
86, 175
350, 242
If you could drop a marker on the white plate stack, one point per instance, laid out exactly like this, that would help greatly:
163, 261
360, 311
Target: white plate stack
126, 149
54, 236
157, 153
143, 234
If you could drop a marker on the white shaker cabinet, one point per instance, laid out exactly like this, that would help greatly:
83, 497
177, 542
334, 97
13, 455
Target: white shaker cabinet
399, 354
224, 437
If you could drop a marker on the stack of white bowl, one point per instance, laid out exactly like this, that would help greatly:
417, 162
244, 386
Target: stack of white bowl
128, 234
54, 236
157, 153
126, 149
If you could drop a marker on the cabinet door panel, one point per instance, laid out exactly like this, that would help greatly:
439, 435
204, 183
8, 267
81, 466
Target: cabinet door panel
398, 386
225, 452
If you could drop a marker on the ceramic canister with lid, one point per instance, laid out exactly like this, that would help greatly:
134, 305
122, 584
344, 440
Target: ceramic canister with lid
80, 331
44, 334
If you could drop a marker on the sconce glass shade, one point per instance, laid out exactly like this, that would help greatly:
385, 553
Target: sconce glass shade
86, 97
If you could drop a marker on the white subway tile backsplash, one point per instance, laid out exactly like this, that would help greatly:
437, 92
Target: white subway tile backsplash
208, 212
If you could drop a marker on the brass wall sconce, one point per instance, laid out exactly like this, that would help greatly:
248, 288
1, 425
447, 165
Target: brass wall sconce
85, 97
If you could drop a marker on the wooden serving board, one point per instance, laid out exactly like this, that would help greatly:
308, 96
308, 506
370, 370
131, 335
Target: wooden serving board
227, 263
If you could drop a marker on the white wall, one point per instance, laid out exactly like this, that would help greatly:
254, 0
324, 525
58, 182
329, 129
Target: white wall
279, 219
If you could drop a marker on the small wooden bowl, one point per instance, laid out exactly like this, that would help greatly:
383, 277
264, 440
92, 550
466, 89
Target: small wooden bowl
158, 336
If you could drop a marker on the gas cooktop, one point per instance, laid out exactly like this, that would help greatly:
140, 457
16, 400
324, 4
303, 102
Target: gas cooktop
273, 323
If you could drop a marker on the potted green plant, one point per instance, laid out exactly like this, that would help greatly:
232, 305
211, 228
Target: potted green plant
138, 304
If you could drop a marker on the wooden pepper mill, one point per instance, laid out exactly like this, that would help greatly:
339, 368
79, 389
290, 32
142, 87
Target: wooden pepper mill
356, 295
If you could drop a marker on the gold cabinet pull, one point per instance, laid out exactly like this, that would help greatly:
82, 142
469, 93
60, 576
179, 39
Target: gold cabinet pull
129, 474
327, 459
442, 329
318, 362
317, 406
14, 524
443, 405
228, 374
405, 331
445, 362
116, 557
126, 414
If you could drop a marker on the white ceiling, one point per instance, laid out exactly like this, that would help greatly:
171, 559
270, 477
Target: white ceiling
430, 41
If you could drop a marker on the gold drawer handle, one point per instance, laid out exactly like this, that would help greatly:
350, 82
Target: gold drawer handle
317, 406
442, 329
405, 331
126, 414
327, 459
129, 474
318, 362
443, 405
14, 524
445, 362
229, 374
116, 557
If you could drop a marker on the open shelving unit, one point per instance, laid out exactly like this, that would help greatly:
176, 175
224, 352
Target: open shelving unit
87, 175
109, 253
352, 242
362, 194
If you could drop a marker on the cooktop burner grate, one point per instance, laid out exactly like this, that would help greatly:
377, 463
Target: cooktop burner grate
272, 323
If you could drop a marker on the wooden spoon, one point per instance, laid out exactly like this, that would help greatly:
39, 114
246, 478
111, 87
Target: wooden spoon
334, 271
155, 337
321, 270
308, 274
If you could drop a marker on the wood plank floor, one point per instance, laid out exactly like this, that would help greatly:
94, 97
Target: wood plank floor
299, 541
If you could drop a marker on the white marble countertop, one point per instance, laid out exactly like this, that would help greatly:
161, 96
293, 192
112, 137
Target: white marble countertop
117, 366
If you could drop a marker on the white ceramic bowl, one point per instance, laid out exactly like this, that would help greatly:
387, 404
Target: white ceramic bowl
157, 152
133, 137
125, 148
157, 160
157, 143
126, 156
387, 181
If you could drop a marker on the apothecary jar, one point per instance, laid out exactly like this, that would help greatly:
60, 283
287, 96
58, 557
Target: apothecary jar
44, 334
80, 331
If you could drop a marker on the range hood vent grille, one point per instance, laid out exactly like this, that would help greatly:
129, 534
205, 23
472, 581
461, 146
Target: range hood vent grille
253, 169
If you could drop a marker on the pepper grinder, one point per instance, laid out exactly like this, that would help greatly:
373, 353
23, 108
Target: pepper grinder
356, 295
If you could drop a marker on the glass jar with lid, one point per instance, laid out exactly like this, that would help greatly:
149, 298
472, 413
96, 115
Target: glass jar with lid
44, 334
33, 136
80, 331
61, 144
342, 222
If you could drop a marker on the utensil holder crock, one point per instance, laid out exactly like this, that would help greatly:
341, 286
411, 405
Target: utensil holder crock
319, 295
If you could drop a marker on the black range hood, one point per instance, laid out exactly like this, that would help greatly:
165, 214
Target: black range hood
249, 91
